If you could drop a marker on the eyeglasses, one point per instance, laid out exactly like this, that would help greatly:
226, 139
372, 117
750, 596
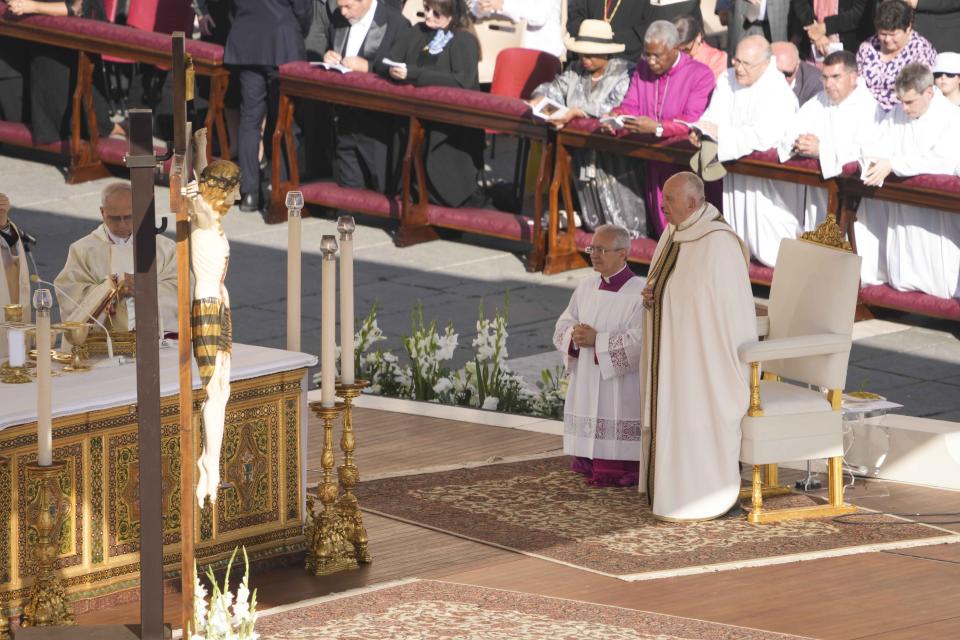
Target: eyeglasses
944, 74
737, 62
600, 251
790, 74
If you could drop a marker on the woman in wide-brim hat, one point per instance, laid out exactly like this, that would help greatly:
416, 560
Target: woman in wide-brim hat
608, 186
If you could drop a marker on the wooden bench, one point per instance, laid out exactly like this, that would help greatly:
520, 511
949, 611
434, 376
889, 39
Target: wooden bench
93, 37
419, 106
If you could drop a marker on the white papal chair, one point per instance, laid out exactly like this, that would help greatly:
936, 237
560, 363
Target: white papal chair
794, 410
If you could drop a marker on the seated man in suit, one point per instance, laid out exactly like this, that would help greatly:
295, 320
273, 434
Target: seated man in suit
360, 35
804, 78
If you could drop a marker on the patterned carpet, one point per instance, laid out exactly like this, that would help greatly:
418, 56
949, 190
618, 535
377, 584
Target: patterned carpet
430, 610
541, 508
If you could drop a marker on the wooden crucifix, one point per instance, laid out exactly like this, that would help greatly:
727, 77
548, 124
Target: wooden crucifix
181, 172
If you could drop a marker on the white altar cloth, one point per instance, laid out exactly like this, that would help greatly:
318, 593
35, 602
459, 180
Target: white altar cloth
114, 386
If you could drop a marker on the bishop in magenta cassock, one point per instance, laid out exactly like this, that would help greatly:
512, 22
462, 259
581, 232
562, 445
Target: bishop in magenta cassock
599, 335
666, 86
694, 388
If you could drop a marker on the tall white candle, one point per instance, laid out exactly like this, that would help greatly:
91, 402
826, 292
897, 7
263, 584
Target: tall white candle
294, 205
42, 301
16, 347
346, 226
328, 347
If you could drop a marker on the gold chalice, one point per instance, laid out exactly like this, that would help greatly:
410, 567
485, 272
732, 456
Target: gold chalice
76, 333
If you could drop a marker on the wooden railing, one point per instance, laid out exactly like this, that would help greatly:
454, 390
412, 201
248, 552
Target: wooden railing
92, 38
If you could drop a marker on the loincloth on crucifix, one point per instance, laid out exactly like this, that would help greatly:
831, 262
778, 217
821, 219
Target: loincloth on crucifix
212, 333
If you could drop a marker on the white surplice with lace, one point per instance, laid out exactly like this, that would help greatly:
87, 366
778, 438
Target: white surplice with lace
601, 415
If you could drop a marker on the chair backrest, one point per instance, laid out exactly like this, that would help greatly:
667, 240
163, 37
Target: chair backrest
110, 9
519, 71
413, 11
161, 16
495, 35
814, 290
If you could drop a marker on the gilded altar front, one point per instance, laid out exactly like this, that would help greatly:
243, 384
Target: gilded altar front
259, 505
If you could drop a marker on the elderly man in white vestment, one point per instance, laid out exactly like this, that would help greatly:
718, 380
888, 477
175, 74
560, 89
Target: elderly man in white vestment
14, 274
599, 335
694, 388
749, 111
100, 267
832, 127
918, 248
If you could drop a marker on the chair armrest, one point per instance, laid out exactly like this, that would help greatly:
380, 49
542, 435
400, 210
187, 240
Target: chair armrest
817, 344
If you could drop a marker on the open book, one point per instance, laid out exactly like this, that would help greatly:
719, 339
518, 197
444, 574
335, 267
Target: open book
616, 122
331, 67
696, 127
548, 109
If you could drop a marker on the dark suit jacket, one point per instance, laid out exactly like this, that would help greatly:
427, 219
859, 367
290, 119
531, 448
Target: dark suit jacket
268, 32
809, 82
388, 25
629, 23
317, 40
853, 23
939, 22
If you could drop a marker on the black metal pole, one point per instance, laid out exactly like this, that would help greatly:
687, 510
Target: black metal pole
142, 167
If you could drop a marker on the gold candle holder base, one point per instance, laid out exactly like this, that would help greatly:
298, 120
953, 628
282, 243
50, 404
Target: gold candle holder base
16, 375
347, 505
47, 601
329, 549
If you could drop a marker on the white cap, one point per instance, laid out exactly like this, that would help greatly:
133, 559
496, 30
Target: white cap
948, 62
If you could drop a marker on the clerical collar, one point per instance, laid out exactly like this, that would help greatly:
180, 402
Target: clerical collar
116, 239
616, 281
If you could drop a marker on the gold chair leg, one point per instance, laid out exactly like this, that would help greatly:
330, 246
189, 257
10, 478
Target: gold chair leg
756, 512
835, 507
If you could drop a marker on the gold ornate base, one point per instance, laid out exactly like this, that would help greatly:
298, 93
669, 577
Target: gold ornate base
801, 513
16, 375
349, 475
48, 604
329, 548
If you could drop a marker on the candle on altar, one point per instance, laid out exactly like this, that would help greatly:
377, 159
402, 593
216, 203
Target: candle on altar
346, 226
294, 206
42, 302
16, 347
328, 347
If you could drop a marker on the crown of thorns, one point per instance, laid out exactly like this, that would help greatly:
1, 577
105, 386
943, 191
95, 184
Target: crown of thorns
221, 182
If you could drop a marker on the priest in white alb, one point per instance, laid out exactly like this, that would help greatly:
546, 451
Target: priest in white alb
599, 336
14, 274
833, 126
694, 388
749, 111
919, 247
97, 278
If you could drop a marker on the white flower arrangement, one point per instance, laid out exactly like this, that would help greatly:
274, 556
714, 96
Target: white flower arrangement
226, 617
485, 381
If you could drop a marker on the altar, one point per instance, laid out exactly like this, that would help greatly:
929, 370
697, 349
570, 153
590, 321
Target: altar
261, 499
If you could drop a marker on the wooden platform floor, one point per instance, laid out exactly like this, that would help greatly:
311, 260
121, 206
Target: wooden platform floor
896, 595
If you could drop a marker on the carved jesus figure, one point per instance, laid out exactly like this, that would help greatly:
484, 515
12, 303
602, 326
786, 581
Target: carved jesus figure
210, 199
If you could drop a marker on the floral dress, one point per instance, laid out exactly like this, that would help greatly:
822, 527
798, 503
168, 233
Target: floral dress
880, 76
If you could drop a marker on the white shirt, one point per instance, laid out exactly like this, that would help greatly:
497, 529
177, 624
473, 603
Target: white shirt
544, 30
358, 32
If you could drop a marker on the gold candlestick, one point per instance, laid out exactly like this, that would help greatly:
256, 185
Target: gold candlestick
48, 604
328, 548
349, 475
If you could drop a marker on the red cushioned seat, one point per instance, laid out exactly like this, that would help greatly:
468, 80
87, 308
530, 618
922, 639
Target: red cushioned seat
760, 274
883, 295
113, 150
18, 134
333, 196
488, 222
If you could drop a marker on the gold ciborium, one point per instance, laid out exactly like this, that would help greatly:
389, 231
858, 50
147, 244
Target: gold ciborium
76, 333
